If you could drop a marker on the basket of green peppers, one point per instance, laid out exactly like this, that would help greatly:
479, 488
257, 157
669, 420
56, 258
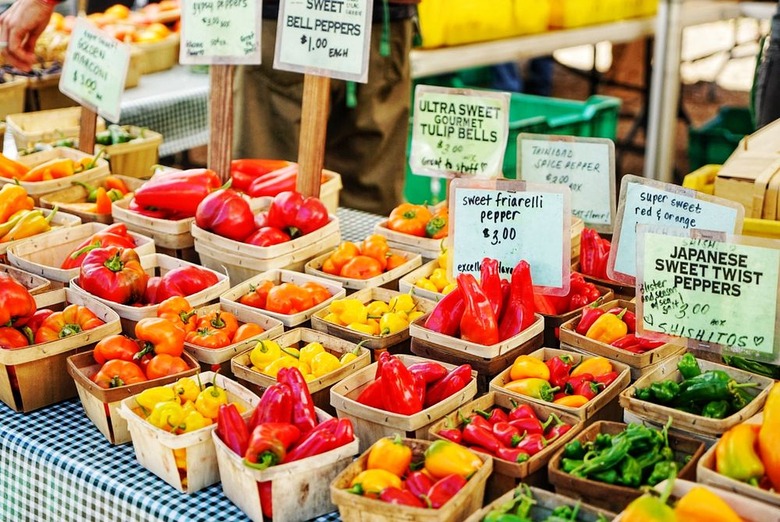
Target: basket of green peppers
131, 151
530, 504
700, 396
611, 462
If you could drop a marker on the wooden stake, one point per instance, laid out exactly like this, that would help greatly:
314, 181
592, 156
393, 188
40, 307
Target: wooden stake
87, 130
221, 120
314, 123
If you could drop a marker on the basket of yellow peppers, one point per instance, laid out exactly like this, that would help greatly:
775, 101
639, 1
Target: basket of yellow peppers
171, 427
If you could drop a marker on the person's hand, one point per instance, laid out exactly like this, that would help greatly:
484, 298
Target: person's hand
20, 27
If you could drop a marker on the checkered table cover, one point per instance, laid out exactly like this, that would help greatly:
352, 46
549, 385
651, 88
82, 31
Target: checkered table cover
55, 466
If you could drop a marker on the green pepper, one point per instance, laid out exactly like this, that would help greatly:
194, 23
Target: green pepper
664, 392
113, 195
602, 440
498, 516
91, 190
119, 134
749, 365
604, 460
103, 138
662, 471
640, 437
716, 409
643, 394
569, 465
564, 513
650, 458
688, 366
609, 476
630, 472
712, 385
741, 399
574, 450
64, 142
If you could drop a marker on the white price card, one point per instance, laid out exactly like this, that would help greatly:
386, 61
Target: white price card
648, 202
220, 32
715, 292
324, 38
95, 69
585, 165
510, 221
459, 132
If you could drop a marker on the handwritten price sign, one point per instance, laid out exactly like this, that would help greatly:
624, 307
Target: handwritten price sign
220, 32
713, 293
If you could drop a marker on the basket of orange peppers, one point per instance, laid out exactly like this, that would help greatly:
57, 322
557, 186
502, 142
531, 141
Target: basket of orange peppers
416, 228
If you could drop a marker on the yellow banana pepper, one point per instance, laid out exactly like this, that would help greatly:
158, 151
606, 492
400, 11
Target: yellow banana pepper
194, 420
449, 288
323, 363
186, 389
332, 318
31, 224
264, 353
370, 328
180, 457
209, 400
309, 351
150, 397
282, 362
391, 323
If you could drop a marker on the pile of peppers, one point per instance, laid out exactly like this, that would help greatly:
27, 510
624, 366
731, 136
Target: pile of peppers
378, 318
489, 311
115, 235
285, 298
417, 220
174, 195
55, 168
581, 293
699, 504
263, 177
283, 428
615, 327
594, 252
408, 390
559, 380
371, 258
523, 508
312, 360
514, 436
711, 393
18, 218
214, 329
637, 456
397, 474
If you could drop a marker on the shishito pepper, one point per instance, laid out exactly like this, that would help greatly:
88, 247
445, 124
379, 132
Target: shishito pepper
444, 457
735, 454
608, 328
712, 385
767, 437
688, 366
391, 454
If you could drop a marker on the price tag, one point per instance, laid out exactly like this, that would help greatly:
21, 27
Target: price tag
585, 165
650, 202
95, 69
459, 132
324, 38
716, 291
220, 32
510, 221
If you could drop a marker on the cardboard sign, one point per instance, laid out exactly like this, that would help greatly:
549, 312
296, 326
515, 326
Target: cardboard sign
220, 32
95, 69
585, 165
510, 221
650, 202
325, 38
459, 132
719, 293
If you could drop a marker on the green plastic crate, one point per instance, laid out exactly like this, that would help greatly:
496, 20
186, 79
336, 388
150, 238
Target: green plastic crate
596, 117
713, 142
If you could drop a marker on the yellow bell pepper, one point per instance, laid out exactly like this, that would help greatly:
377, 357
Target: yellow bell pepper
391, 323
595, 366
415, 315
371, 482
735, 454
426, 284
150, 397
282, 362
209, 400
444, 457
332, 318
376, 309
264, 353
304, 367
526, 366
349, 310
186, 389
13, 198
608, 328
369, 328
323, 363
166, 415
309, 351
701, 504
402, 303
390, 454
439, 278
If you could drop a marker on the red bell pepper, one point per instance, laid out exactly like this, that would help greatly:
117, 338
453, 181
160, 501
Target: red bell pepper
312, 215
267, 236
225, 213
304, 417
446, 316
515, 455
478, 324
372, 395
243, 172
449, 385
521, 411
444, 489
495, 415
268, 444
114, 274
12, 338
232, 429
16, 302
520, 311
588, 317
418, 483
481, 436
29, 326
283, 209
507, 433
113, 235
184, 281
399, 388
490, 281
275, 406
560, 366
429, 371
401, 497
178, 191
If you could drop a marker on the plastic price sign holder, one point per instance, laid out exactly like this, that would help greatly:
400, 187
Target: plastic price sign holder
511, 220
323, 39
94, 75
585, 165
712, 291
221, 33
459, 132
644, 201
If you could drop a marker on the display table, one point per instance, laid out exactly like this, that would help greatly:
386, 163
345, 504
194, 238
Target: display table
55, 466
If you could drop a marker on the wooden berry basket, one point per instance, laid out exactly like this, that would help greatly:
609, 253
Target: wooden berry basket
102, 405
688, 422
609, 496
158, 264
355, 508
229, 299
74, 200
34, 283
552, 323
299, 337
154, 447
603, 406
136, 158
60, 220
44, 126
159, 56
309, 478
507, 474
371, 424
396, 343
212, 358
639, 363
44, 254
35, 376
428, 248
546, 502
387, 279
406, 283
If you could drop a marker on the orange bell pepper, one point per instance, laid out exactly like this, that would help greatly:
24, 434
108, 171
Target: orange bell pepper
390, 454
208, 338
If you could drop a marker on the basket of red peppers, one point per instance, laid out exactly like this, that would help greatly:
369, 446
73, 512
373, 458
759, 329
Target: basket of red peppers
594, 254
521, 437
401, 393
609, 330
566, 381
287, 446
409, 479
484, 318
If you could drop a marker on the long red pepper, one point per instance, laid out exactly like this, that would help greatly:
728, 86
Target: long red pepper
532, 443
527, 425
400, 497
232, 428
178, 191
522, 411
507, 434
399, 385
275, 406
418, 483
474, 434
490, 281
372, 395
495, 415
519, 314
446, 316
429, 371
444, 489
304, 417
513, 455
478, 324
317, 441
449, 385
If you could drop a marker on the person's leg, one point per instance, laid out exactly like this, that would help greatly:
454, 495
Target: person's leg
768, 81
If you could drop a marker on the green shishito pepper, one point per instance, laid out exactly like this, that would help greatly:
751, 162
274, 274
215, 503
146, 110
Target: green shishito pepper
630, 472
749, 365
712, 385
574, 450
688, 366
662, 471
716, 409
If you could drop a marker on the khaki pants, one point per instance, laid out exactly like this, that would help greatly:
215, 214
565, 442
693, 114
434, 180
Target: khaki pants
365, 144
